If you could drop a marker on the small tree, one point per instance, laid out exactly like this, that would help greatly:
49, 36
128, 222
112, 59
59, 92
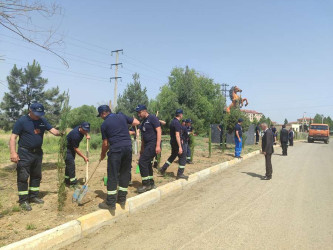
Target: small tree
285, 121
133, 95
25, 87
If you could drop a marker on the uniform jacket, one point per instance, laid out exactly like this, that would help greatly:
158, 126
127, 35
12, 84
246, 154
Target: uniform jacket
284, 134
267, 142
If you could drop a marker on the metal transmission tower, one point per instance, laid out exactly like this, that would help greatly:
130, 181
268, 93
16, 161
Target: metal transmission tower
224, 91
116, 77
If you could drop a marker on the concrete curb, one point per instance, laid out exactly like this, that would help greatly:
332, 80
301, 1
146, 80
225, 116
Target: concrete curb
54, 238
72, 231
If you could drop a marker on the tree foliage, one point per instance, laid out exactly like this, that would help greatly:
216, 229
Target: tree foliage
321, 118
199, 96
232, 119
27, 86
85, 113
133, 95
267, 120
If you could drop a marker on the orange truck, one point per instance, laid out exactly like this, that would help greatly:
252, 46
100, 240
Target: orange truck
319, 132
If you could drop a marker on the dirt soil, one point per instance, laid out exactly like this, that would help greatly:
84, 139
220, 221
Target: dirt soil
236, 209
17, 224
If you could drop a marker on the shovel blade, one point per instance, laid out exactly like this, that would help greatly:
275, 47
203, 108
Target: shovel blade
82, 194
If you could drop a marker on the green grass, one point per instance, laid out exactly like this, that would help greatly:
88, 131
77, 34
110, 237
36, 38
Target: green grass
30, 226
16, 209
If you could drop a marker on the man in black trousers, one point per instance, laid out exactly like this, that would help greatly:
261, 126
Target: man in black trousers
267, 150
284, 134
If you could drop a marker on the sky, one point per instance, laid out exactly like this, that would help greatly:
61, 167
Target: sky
280, 53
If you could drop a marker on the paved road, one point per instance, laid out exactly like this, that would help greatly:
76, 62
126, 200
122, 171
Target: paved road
238, 210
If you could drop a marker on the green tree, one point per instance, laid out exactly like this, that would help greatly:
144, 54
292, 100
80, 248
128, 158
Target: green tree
27, 86
133, 95
285, 121
266, 120
232, 119
317, 118
85, 113
199, 96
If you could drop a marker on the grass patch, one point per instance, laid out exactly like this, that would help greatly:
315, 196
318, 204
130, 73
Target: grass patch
5, 212
16, 209
30, 226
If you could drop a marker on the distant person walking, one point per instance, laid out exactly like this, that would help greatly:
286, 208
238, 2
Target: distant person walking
238, 138
284, 137
267, 150
257, 133
273, 129
291, 137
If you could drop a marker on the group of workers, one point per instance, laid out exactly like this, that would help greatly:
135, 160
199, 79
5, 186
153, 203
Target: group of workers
116, 143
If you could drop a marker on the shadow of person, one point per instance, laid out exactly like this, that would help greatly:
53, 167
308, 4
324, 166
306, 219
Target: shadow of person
254, 175
136, 184
42, 194
100, 194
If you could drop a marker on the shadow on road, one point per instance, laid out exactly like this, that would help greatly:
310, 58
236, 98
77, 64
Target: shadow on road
254, 174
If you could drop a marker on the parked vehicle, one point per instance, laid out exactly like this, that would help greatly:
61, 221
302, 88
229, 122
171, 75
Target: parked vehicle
319, 132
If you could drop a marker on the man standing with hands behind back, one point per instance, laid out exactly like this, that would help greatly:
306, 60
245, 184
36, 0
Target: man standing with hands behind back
267, 150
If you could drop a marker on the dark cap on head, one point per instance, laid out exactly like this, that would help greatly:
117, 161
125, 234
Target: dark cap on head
140, 107
240, 120
179, 111
103, 108
37, 109
85, 126
183, 120
188, 120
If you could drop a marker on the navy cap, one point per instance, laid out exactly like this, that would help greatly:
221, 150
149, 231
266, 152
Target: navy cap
102, 109
37, 109
179, 111
183, 120
189, 120
85, 126
140, 107
240, 120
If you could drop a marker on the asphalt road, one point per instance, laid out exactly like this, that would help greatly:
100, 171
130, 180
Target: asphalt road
238, 210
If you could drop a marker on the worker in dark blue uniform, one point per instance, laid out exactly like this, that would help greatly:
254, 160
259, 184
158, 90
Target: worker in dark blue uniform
291, 137
190, 131
30, 130
257, 129
150, 146
185, 137
274, 131
178, 147
238, 138
117, 142
73, 142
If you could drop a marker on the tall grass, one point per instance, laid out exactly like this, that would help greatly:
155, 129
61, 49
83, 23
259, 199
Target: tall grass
62, 194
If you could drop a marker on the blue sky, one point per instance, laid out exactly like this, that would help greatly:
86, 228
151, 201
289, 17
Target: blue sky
279, 52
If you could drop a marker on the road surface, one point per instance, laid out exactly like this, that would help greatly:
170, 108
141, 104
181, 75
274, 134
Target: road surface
237, 210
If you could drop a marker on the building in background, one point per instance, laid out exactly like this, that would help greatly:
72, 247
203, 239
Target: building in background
252, 114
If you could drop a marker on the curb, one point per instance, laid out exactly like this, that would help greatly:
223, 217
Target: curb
54, 238
74, 230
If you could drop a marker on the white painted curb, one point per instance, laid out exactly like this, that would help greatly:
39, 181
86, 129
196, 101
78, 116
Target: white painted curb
54, 238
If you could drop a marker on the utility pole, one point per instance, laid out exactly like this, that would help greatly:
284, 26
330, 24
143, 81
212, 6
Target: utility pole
224, 90
116, 77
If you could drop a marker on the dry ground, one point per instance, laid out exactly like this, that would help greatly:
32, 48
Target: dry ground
17, 224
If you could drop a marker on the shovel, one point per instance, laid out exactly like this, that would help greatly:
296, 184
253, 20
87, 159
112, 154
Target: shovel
80, 193
87, 166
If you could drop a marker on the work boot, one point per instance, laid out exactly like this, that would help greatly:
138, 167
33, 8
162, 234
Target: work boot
189, 162
25, 206
122, 203
152, 184
144, 188
103, 205
130, 184
36, 200
182, 176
